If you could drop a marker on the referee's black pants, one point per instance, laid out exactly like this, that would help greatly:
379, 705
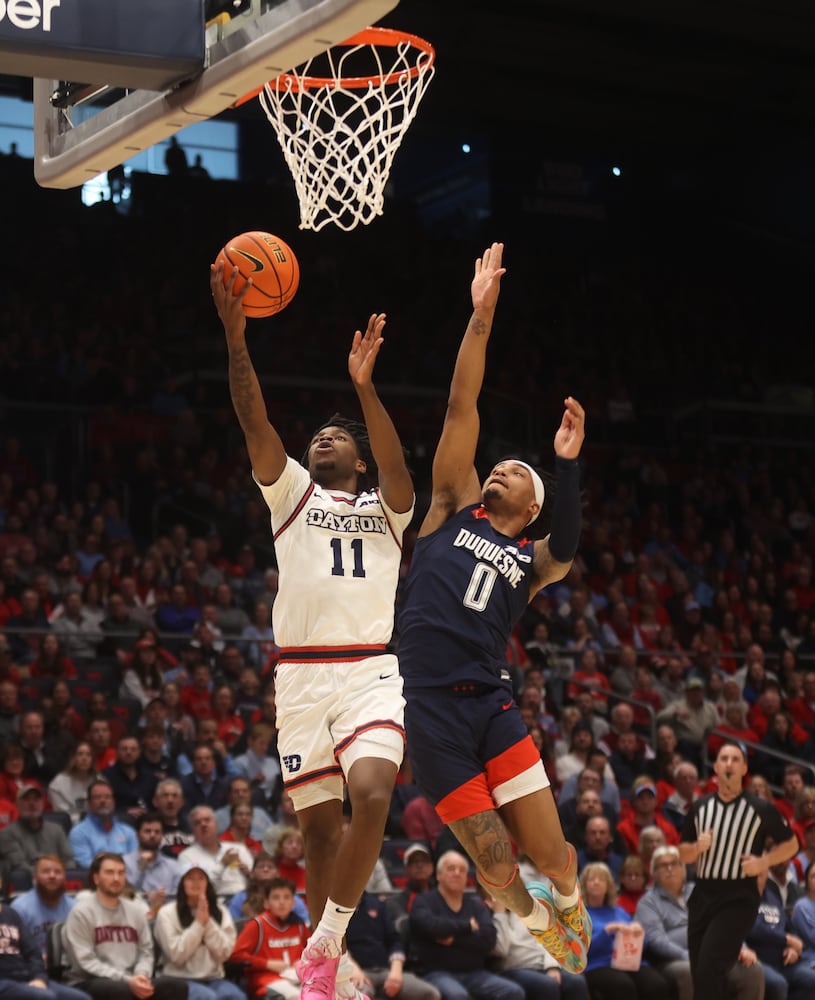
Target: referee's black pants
720, 916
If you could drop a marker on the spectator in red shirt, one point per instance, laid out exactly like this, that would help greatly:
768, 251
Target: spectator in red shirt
618, 630
420, 821
633, 882
733, 726
196, 696
52, 661
99, 737
12, 778
644, 812
230, 724
763, 709
796, 702
590, 676
9, 606
240, 825
289, 855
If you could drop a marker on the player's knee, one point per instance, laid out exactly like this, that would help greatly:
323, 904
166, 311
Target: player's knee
371, 802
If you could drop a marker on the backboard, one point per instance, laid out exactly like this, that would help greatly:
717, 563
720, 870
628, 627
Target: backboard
85, 128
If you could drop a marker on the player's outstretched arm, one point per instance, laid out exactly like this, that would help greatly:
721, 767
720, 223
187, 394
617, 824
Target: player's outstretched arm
395, 483
455, 481
266, 451
555, 553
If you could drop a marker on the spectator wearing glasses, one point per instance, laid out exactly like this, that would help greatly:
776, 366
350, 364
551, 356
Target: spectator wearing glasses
100, 830
227, 865
663, 912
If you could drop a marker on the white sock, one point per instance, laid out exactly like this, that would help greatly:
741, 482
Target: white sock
345, 968
538, 919
334, 921
565, 902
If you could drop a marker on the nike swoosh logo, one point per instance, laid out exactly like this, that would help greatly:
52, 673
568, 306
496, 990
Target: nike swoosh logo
508, 705
252, 260
384, 677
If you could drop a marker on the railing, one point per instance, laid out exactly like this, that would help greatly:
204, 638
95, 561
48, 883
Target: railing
614, 698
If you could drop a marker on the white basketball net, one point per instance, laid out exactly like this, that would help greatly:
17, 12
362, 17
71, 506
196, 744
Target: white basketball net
339, 130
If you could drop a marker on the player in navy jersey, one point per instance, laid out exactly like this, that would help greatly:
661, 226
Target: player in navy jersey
727, 834
474, 570
338, 690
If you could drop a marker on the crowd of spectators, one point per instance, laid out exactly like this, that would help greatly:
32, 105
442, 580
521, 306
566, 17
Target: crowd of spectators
137, 714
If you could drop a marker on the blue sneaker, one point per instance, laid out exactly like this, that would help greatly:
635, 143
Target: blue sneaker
568, 936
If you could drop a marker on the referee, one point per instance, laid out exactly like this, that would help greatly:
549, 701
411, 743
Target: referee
727, 834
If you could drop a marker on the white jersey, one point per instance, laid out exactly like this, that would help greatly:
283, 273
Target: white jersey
339, 556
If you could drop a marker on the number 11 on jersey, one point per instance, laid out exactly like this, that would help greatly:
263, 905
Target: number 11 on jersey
338, 569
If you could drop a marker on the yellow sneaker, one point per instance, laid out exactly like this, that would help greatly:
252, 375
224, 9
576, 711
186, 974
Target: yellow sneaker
568, 936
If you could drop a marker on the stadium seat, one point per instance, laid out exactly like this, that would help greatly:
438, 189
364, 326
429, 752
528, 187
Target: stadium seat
16, 882
76, 879
99, 675
59, 817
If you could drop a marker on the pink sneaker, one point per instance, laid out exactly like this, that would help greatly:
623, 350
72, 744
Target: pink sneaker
317, 969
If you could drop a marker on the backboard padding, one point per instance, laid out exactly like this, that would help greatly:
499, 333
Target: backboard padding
67, 155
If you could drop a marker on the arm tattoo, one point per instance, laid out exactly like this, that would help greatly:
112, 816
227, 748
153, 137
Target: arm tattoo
242, 384
479, 327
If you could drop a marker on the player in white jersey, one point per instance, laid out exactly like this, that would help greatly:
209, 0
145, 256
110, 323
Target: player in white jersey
338, 691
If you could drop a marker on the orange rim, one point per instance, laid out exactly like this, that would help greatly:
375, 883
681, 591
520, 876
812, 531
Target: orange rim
368, 36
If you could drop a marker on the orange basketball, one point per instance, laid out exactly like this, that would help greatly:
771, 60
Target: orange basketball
271, 265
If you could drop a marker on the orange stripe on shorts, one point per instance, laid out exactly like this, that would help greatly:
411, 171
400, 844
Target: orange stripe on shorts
475, 795
468, 799
512, 762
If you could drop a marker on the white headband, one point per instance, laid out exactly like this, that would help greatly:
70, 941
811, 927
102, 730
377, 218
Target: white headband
540, 492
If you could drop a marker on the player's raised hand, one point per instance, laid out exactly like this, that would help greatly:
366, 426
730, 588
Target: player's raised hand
572, 430
364, 349
487, 280
229, 306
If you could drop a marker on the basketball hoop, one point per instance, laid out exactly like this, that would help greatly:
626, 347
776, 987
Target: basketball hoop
341, 116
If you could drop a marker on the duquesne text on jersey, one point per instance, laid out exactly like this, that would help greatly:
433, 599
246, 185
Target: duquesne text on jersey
491, 552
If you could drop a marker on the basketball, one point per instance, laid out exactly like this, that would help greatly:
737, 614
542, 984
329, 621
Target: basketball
271, 265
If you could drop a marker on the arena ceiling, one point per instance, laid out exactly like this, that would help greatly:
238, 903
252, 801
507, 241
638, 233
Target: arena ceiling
675, 71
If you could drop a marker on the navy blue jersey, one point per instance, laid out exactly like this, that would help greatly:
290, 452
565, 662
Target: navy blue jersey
468, 585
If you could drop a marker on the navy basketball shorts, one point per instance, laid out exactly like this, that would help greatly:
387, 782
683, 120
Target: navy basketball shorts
470, 750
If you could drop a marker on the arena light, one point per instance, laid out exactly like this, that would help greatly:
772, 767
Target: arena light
213, 8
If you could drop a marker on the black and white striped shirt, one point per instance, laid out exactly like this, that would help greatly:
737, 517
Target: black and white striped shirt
742, 826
